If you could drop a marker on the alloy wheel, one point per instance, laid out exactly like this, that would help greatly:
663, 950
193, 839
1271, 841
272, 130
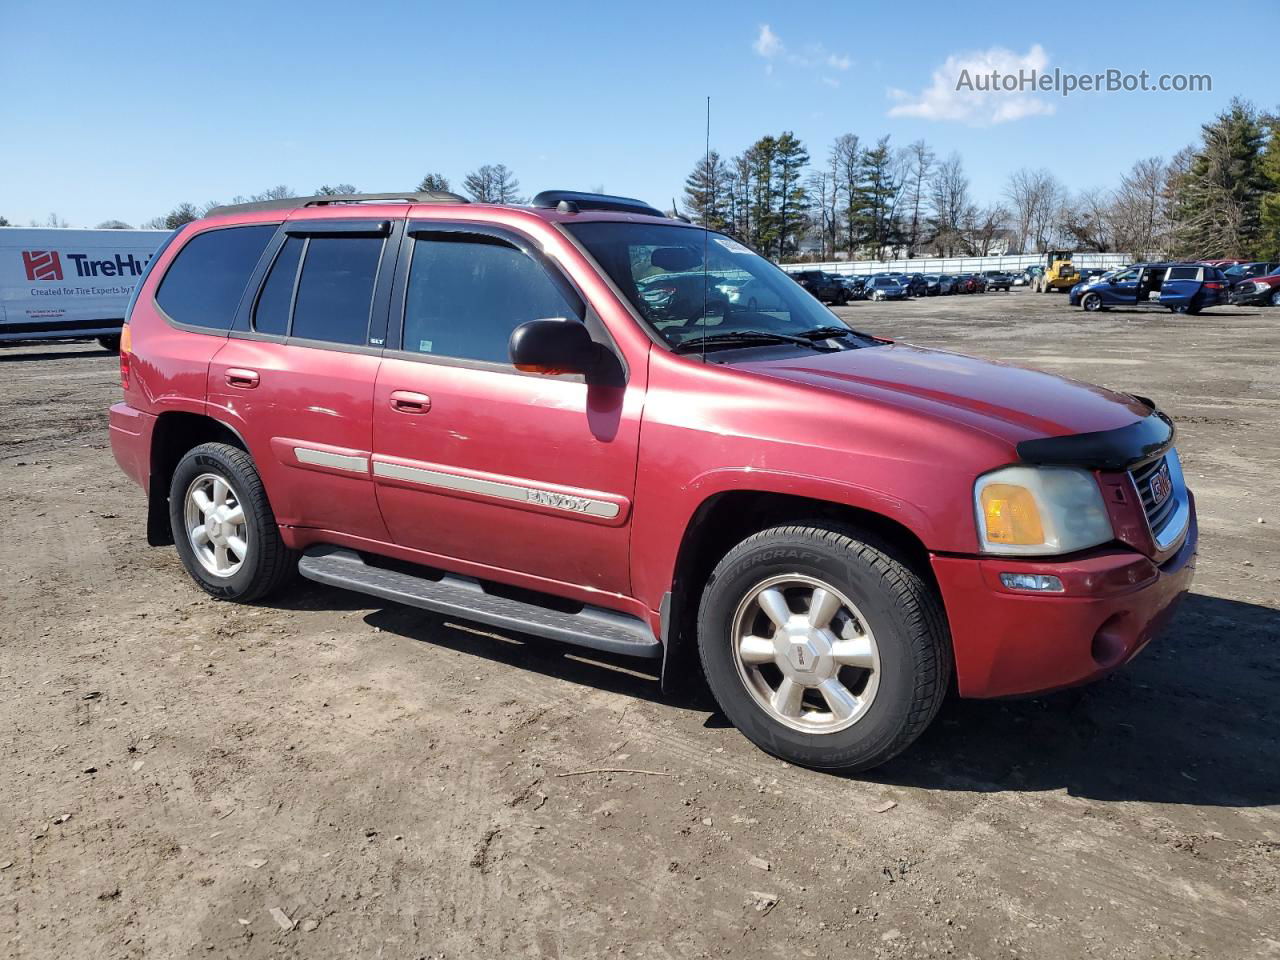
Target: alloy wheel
805, 654
216, 526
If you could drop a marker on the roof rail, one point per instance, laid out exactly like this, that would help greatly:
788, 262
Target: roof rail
571, 201
297, 203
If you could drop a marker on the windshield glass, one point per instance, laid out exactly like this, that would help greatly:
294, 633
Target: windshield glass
659, 268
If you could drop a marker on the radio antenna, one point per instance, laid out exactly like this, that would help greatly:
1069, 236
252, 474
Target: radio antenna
708, 185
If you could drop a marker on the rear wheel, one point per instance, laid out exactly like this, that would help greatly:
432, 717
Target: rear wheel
110, 343
223, 526
822, 647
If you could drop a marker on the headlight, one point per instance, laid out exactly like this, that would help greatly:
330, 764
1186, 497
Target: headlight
1040, 511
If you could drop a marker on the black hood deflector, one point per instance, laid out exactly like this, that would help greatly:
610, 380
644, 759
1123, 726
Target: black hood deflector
1119, 449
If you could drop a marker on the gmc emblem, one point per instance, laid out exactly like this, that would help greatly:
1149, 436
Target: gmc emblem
42, 264
1161, 485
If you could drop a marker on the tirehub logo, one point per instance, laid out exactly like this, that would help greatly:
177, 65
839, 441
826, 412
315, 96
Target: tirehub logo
42, 264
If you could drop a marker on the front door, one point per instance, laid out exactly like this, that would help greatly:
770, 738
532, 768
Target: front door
475, 461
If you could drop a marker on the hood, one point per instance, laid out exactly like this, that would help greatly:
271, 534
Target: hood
1006, 401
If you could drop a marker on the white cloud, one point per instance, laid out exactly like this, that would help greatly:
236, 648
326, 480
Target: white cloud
942, 101
767, 43
831, 81
812, 56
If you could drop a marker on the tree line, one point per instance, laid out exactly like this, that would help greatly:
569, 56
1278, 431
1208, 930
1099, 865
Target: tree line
1219, 197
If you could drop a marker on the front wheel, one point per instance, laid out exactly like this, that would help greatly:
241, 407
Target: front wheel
1275, 298
823, 647
223, 526
1091, 302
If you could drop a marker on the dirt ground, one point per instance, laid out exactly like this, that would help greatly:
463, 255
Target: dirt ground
173, 769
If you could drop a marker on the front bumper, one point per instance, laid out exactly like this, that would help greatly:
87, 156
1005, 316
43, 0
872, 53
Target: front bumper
1010, 643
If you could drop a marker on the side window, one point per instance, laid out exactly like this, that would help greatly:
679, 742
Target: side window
271, 315
335, 290
1184, 273
203, 285
467, 293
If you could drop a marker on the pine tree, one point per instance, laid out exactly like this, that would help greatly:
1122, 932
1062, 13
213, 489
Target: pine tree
878, 188
707, 192
790, 159
1269, 213
1219, 198
493, 183
434, 182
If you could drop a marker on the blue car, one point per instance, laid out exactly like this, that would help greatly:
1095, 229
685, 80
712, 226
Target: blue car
1180, 287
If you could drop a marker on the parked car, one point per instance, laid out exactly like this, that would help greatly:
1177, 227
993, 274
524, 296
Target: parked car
823, 286
916, 284
853, 285
933, 283
1241, 272
998, 280
980, 282
1022, 279
965, 283
473, 410
946, 284
1258, 292
1180, 287
886, 288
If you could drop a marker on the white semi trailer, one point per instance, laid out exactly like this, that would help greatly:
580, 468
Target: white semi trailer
67, 284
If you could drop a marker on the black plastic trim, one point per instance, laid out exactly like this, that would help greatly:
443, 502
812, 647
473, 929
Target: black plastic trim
551, 199
1118, 449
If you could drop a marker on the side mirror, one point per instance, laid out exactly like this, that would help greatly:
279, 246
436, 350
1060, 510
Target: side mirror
551, 346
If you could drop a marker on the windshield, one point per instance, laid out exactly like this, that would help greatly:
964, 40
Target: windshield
659, 268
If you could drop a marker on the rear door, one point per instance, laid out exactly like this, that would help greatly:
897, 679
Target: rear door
1181, 284
296, 376
477, 461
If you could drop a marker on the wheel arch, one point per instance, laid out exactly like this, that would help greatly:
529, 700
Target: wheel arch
726, 518
175, 432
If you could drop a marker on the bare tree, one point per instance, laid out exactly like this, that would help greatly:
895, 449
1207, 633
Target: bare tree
949, 204
113, 225
820, 189
493, 183
919, 164
1088, 219
846, 165
1036, 199
1139, 217
982, 226
337, 190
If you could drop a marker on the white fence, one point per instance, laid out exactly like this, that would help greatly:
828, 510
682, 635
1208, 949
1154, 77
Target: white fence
1012, 263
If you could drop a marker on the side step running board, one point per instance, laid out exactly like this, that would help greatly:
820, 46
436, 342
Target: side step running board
464, 598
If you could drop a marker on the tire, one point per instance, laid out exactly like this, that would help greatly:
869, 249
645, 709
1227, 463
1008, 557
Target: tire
264, 562
110, 343
1091, 302
887, 619
1275, 298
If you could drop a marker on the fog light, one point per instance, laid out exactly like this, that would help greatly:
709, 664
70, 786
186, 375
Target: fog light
1038, 582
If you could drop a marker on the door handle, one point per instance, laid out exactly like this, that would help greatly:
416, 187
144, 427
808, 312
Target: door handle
406, 401
244, 379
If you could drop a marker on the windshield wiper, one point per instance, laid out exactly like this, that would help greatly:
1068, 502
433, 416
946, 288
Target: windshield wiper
730, 338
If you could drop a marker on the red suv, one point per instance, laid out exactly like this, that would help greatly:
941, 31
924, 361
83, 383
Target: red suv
476, 410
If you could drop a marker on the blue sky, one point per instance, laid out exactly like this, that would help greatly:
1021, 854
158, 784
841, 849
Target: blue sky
122, 110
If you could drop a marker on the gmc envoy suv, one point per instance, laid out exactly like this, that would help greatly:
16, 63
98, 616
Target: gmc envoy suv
472, 409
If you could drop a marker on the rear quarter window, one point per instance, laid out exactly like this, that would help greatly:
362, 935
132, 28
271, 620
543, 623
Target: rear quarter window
206, 280
1183, 273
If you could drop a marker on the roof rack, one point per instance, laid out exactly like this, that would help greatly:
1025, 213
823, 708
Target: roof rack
297, 203
571, 201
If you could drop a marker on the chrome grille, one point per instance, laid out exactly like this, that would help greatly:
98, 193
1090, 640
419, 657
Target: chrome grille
1158, 516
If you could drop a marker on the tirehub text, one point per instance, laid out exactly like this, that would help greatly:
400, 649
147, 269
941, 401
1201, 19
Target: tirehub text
46, 265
